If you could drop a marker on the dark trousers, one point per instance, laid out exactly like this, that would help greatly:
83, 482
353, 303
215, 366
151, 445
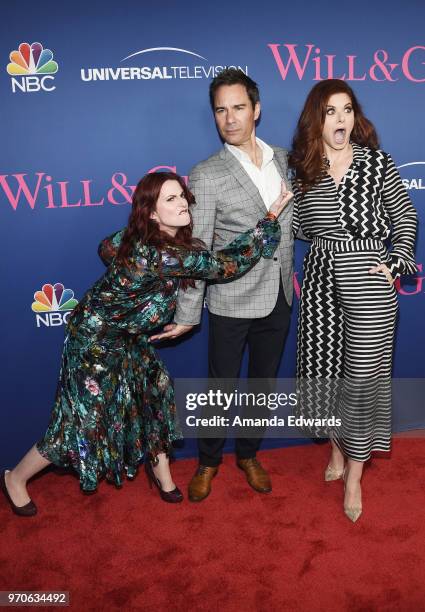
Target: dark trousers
228, 337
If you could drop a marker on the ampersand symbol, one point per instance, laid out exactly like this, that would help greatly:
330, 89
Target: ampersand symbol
119, 183
381, 57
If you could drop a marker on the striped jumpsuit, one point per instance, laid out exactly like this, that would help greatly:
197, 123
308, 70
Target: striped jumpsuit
347, 315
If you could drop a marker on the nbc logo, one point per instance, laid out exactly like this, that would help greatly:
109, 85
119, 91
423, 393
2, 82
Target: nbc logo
31, 68
55, 302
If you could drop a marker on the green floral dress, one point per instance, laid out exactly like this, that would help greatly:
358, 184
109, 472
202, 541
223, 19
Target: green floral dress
115, 400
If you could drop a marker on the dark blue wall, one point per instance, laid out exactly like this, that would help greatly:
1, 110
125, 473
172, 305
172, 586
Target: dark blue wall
95, 135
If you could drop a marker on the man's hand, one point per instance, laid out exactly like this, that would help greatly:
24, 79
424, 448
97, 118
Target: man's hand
171, 331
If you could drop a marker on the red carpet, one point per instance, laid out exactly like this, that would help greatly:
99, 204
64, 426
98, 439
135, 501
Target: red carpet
237, 550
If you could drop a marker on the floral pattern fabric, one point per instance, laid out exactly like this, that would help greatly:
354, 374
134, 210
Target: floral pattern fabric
115, 400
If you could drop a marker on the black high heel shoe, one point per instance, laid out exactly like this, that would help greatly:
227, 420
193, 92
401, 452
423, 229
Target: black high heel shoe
173, 497
30, 509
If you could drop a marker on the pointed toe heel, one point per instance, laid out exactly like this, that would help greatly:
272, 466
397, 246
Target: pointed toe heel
30, 509
332, 474
352, 513
172, 497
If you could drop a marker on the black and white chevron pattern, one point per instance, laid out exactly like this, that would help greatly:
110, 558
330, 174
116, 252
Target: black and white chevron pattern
370, 202
347, 315
345, 344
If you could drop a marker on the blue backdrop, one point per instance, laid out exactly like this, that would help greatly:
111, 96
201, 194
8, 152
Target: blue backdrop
113, 90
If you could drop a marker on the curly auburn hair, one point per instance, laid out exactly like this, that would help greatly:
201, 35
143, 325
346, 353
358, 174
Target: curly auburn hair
307, 155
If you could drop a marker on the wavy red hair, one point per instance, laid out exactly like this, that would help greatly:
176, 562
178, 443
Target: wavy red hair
307, 155
141, 228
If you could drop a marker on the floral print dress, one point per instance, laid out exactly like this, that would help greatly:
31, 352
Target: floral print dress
115, 399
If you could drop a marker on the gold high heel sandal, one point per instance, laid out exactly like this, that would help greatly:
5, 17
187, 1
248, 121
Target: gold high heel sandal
332, 474
351, 512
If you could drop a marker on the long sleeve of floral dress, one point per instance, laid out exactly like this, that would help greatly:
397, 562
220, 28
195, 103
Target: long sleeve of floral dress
228, 263
140, 295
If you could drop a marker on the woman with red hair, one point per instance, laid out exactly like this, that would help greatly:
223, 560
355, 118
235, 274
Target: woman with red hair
114, 404
349, 199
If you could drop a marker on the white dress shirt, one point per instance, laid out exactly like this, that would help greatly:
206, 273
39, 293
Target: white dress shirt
267, 178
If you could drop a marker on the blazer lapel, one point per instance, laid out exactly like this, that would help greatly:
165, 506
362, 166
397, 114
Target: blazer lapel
280, 164
242, 177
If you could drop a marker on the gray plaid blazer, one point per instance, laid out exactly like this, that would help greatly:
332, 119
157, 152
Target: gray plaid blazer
227, 204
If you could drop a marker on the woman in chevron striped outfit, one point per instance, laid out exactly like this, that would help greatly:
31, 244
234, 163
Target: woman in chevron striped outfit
348, 200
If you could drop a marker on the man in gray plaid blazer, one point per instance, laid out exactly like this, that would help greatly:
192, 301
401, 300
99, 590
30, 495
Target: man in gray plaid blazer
233, 189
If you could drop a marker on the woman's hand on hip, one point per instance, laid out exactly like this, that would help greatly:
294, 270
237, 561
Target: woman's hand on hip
382, 268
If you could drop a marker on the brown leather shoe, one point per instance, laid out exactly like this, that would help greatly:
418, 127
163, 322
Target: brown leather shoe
200, 485
256, 475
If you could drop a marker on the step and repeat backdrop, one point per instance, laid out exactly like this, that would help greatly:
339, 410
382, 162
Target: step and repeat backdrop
96, 94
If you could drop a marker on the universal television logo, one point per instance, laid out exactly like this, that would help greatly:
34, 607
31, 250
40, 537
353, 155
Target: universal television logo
53, 305
413, 175
32, 68
147, 72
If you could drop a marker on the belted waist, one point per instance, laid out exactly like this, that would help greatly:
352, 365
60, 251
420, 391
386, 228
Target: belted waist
348, 246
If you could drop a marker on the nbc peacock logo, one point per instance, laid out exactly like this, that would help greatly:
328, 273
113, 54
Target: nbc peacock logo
32, 68
53, 305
